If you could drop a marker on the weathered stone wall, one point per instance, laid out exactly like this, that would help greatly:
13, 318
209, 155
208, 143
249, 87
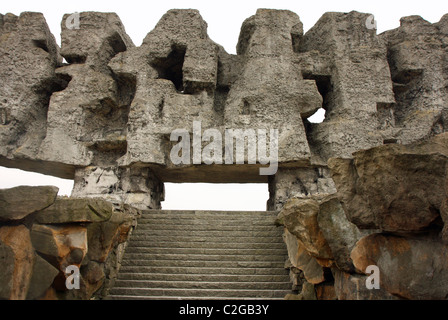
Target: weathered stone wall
42, 234
389, 212
364, 186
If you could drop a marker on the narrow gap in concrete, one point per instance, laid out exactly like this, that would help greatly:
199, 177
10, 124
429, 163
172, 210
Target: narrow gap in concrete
170, 68
325, 87
318, 116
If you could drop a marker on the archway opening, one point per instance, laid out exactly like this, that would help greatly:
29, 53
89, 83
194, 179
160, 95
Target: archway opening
217, 197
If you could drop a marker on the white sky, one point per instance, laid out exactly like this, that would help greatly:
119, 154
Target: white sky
224, 19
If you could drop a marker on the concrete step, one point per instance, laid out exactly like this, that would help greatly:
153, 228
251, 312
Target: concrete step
286, 285
213, 239
242, 254
148, 223
201, 277
199, 292
167, 257
205, 270
204, 255
206, 233
202, 264
207, 227
208, 212
271, 216
142, 245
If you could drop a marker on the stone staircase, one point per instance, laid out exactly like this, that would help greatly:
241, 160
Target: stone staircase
204, 255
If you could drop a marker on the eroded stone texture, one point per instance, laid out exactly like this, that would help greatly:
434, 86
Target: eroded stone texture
270, 92
290, 183
17, 203
353, 287
417, 53
18, 253
340, 234
301, 259
104, 236
172, 88
349, 63
412, 268
28, 58
105, 117
62, 245
87, 120
321, 229
394, 188
68, 210
43, 275
300, 218
137, 186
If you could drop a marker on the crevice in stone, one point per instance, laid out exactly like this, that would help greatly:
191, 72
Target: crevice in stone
106, 153
317, 117
126, 89
5, 116
44, 92
302, 187
385, 115
41, 44
246, 34
117, 44
296, 37
390, 141
324, 85
160, 107
245, 108
170, 68
220, 98
75, 59
407, 76
439, 125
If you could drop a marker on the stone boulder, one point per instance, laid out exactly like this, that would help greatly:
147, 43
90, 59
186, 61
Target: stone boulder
7, 275
17, 255
104, 236
69, 210
340, 234
321, 227
29, 56
299, 216
411, 268
353, 287
42, 278
300, 259
17, 203
394, 188
62, 245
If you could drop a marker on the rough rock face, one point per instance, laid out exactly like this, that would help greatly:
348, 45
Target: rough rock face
349, 64
17, 203
417, 54
389, 212
394, 188
367, 185
19, 260
36, 249
412, 268
29, 55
